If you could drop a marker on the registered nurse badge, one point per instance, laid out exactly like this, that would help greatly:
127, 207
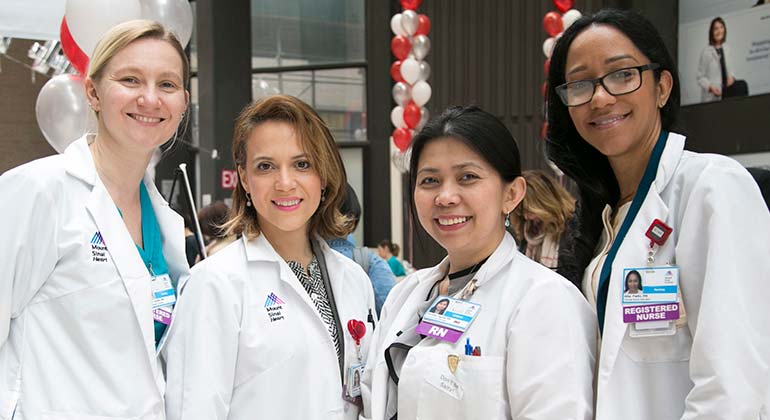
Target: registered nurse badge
452, 361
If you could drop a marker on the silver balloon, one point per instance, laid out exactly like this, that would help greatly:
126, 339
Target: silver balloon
409, 21
62, 111
420, 46
401, 93
423, 119
176, 15
401, 160
424, 71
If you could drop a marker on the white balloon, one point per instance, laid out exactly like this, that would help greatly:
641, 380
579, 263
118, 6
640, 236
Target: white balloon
402, 94
421, 92
548, 46
176, 15
397, 117
424, 117
410, 70
409, 21
395, 25
89, 20
570, 17
62, 111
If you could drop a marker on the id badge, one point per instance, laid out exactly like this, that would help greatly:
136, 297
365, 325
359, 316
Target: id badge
163, 293
448, 318
650, 300
353, 387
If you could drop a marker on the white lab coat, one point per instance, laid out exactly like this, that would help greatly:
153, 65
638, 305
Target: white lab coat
76, 329
537, 338
228, 360
717, 364
710, 72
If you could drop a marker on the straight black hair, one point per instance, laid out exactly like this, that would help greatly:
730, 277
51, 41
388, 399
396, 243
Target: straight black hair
713, 41
573, 155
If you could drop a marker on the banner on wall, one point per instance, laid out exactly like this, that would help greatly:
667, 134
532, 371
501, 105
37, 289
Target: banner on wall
724, 49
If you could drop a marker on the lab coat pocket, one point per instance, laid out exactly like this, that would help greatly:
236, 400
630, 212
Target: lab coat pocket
474, 391
51, 415
671, 348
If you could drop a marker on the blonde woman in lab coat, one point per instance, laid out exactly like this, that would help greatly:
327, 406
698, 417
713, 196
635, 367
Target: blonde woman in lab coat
647, 205
91, 242
277, 323
528, 352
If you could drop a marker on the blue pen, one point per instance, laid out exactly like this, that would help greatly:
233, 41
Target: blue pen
468, 347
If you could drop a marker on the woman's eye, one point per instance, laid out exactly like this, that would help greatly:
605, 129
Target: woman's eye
303, 164
428, 181
168, 85
264, 166
469, 177
130, 80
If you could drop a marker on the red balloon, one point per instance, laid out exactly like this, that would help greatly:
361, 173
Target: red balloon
410, 4
72, 51
395, 71
423, 25
552, 23
544, 89
547, 66
563, 5
412, 114
401, 138
400, 46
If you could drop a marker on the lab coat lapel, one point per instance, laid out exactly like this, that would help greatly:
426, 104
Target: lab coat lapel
633, 253
172, 235
117, 240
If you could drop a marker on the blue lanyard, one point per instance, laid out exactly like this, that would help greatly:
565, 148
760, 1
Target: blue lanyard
152, 254
641, 194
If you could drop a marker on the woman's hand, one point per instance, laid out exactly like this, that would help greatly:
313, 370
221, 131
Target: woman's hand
715, 90
730, 80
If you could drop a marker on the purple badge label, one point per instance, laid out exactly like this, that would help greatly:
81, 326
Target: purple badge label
441, 333
647, 313
162, 315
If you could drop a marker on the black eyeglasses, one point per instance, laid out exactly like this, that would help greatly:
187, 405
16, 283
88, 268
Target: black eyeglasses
616, 83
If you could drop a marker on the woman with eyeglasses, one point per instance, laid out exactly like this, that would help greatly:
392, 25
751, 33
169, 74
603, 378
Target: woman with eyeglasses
695, 343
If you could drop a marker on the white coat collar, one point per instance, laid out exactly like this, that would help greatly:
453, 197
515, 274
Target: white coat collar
633, 251
79, 163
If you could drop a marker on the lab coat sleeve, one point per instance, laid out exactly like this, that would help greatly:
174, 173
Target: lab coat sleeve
724, 258
703, 66
28, 249
202, 348
550, 355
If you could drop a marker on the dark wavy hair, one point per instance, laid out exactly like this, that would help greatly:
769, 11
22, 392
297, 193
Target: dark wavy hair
574, 156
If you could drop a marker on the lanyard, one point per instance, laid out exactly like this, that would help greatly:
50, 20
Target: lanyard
641, 194
152, 254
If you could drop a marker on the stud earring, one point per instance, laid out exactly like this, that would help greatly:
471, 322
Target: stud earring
248, 200
507, 220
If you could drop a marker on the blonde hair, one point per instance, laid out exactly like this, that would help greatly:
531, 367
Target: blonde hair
545, 199
321, 149
122, 35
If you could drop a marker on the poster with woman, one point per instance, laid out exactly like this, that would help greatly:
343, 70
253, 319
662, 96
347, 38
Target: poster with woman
724, 49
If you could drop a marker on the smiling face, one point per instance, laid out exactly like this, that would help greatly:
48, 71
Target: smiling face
718, 32
285, 189
441, 306
140, 95
617, 126
632, 283
461, 200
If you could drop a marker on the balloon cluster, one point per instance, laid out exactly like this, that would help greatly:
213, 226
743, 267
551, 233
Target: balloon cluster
411, 91
61, 109
554, 25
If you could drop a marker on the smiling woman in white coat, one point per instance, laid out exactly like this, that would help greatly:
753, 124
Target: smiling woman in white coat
276, 323
694, 343
90, 241
515, 340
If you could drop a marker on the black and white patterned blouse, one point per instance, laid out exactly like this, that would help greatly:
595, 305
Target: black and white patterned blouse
314, 285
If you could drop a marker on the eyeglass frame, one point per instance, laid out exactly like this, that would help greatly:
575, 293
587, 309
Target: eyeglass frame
600, 81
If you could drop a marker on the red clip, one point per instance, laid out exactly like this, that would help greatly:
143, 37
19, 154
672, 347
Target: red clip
357, 330
658, 232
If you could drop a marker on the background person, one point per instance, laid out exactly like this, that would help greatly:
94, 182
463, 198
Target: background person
91, 238
614, 93
542, 220
715, 76
389, 252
